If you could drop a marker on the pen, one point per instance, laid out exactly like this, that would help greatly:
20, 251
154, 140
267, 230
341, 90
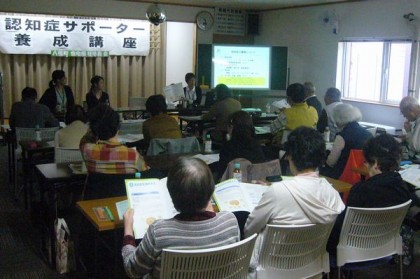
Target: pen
109, 213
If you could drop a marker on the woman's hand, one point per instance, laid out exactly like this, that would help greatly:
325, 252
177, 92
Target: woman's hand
128, 222
407, 126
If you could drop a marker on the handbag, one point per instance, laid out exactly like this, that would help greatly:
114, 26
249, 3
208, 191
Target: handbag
64, 248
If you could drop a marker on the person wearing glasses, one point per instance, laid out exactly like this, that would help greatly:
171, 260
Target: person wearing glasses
383, 188
410, 109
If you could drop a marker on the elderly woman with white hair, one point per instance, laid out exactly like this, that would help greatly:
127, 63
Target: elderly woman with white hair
351, 136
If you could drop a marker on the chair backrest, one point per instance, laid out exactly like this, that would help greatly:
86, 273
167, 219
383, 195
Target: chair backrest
173, 146
131, 127
253, 171
100, 185
229, 261
47, 134
371, 233
356, 159
66, 155
294, 251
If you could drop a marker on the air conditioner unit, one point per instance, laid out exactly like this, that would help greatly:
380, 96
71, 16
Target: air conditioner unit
381, 129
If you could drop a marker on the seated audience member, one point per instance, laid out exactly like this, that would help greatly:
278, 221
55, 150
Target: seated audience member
28, 114
242, 143
102, 151
224, 106
351, 136
299, 114
302, 199
332, 99
58, 97
76, 128
410, 109
161, 125
311, 98
384, 187
96, 95
192, 91
190, 185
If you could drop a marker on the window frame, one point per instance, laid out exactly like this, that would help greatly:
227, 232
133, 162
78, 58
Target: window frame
342, 73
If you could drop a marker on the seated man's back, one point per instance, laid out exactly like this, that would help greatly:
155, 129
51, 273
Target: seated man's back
28, 114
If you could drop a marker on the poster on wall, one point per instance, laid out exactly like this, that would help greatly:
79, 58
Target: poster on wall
49, 34
229, 21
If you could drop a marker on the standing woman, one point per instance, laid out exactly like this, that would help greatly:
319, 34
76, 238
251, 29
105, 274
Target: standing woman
58, 97
96, 95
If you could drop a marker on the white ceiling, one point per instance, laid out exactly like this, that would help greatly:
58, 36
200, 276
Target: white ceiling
257, 5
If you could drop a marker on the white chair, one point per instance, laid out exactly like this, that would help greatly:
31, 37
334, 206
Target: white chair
173, 146
131, 127
66, 155
229, 261
294, 251
47, 134
370, 234
253, 171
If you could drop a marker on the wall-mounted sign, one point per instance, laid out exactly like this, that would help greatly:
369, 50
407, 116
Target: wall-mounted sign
229, 21
80, 53
43, 34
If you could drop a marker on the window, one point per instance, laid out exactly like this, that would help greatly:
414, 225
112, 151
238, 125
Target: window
374, 71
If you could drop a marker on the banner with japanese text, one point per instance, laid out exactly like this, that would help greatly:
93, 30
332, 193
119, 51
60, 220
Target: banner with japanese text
49, 34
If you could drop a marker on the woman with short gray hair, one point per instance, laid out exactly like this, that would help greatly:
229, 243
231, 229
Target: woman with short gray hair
350, 136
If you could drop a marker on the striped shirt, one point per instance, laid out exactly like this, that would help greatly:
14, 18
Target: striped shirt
111, 158
145, 260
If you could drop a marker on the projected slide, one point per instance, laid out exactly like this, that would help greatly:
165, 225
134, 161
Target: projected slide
241, 67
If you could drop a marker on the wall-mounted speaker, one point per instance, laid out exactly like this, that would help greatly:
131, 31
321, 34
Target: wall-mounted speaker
253, 24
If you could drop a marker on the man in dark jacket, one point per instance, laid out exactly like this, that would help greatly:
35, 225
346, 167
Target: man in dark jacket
28, 114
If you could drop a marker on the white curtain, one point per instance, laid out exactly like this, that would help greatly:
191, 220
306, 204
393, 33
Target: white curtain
124, 76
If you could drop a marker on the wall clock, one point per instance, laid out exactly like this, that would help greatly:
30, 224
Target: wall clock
204, 20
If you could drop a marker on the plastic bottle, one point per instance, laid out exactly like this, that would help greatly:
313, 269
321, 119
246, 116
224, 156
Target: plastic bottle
268, 108
207, 144
327, 134
237, 174
37, 133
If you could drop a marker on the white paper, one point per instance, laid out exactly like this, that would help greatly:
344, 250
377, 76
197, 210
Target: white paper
412, 176
280, 104
231, 195
174, 92
150, 200
192, 118
130, 137
208, 158
122, 207
254, 192
262, 130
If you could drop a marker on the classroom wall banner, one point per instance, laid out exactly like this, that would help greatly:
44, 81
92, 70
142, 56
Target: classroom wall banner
44, 34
